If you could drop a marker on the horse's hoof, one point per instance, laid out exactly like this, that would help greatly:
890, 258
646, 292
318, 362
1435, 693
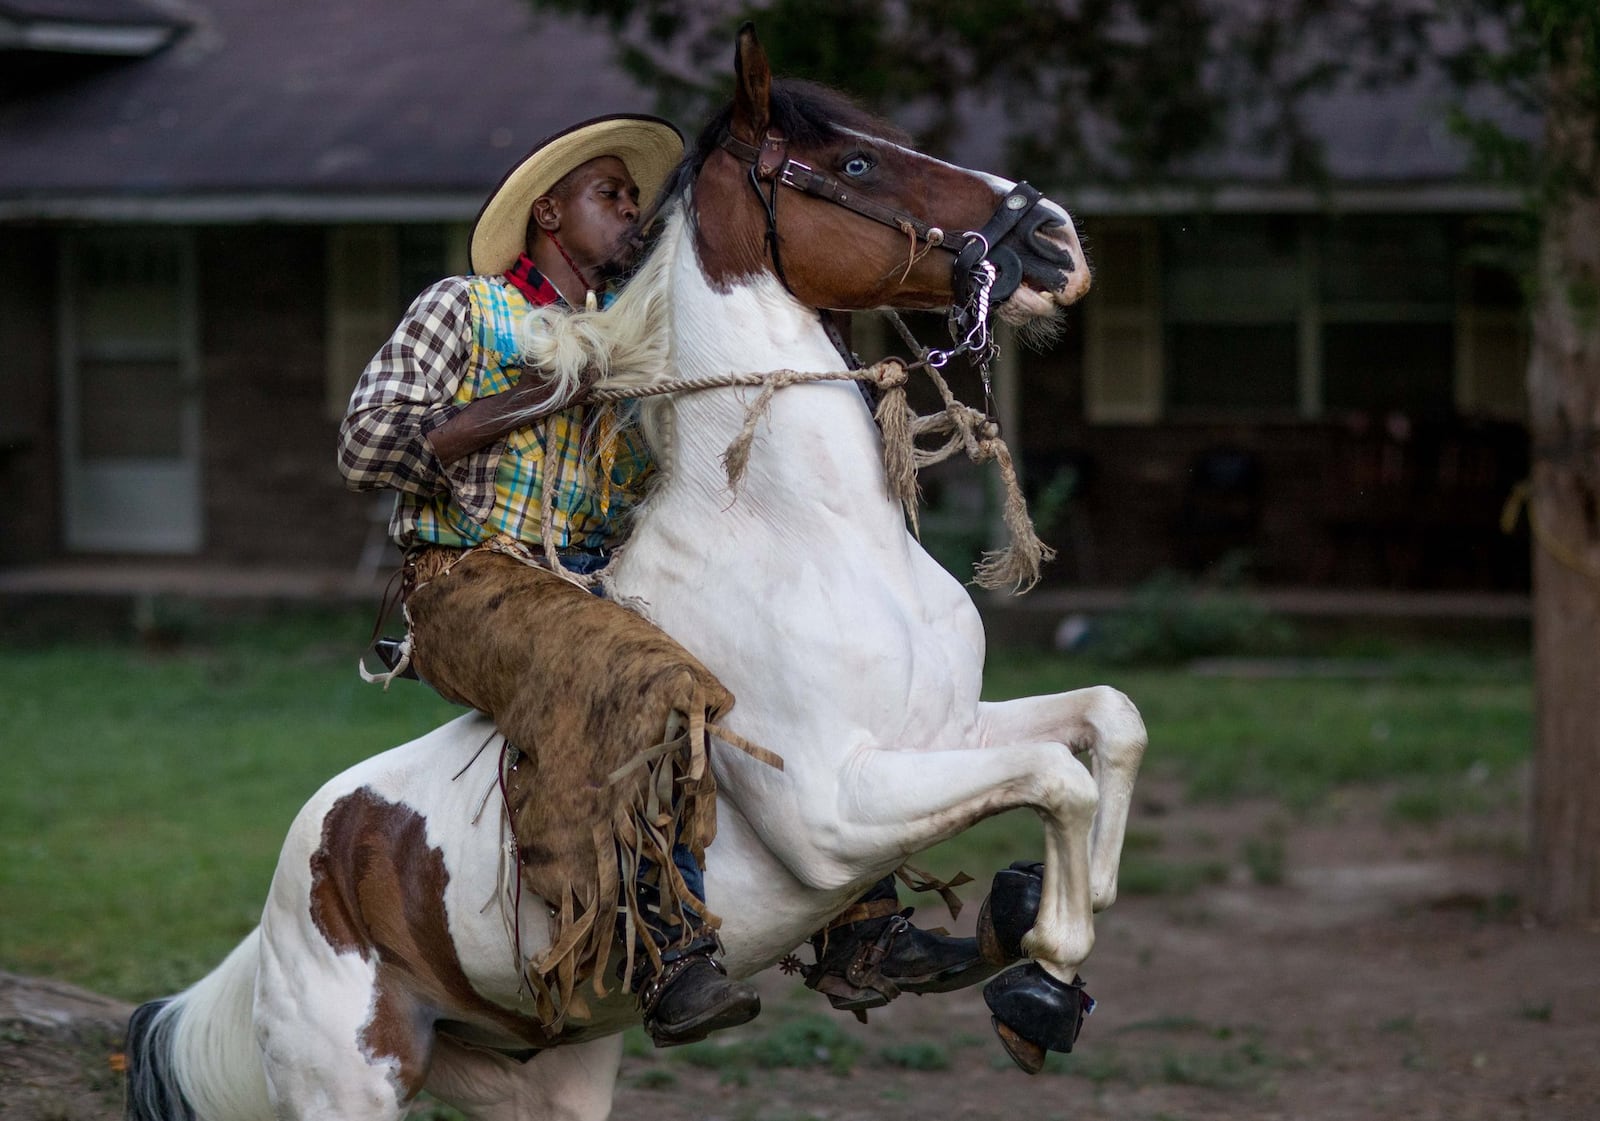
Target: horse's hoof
1009, 911
1034, 1013
1028, 1056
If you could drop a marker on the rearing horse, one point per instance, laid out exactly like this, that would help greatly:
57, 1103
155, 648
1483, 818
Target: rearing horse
380, 967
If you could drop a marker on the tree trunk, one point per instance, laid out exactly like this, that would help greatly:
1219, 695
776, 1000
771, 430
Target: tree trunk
1564, 399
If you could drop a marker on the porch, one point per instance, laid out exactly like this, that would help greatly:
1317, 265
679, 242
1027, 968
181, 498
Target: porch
111, 597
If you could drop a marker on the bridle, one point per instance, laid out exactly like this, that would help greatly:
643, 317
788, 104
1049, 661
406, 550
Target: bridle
985, 272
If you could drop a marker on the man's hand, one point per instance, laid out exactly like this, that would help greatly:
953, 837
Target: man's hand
486, 419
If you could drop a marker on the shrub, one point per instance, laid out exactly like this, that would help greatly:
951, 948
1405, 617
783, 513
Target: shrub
1170, 618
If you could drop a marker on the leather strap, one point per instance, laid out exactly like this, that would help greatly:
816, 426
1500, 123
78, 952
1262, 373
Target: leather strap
860, 912
1018, 201
772, 155
808, 180
865, 968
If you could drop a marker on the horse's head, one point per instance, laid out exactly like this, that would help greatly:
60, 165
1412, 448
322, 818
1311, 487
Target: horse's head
846, 214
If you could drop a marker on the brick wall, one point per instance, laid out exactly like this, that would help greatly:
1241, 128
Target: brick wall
273, 494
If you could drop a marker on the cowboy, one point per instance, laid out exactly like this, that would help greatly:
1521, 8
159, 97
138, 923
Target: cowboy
447, 415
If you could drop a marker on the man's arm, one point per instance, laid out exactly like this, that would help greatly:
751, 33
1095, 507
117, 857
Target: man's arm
482, 422
405, 390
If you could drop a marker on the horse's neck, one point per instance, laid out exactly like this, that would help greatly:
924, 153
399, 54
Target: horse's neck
817, 442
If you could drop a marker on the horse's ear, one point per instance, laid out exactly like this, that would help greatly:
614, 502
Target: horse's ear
752, 81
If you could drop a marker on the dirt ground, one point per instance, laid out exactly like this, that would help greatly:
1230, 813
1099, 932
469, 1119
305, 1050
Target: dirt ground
1391, 973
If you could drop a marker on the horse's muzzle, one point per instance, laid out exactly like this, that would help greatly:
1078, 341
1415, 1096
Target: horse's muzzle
1029, 241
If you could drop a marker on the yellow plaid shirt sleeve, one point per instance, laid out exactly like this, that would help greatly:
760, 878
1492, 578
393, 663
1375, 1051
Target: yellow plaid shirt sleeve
453, 346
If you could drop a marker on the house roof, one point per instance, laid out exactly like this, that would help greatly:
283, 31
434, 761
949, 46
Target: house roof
90, 27
410, 110
309, 110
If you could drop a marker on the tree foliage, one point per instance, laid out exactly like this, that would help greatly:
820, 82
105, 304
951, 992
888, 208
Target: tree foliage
1101, 90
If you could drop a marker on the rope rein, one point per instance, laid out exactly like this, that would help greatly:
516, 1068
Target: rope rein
965, 428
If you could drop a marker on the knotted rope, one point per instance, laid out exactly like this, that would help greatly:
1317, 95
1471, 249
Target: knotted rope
1016, 566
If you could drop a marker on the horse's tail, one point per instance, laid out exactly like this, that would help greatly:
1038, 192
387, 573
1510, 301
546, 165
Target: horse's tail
193, 1057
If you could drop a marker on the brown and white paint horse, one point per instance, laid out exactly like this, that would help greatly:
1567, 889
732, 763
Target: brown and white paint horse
383, 964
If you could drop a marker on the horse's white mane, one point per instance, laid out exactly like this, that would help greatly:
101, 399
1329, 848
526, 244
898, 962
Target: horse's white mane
628, 344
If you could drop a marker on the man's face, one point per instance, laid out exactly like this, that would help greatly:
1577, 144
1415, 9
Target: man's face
597, 210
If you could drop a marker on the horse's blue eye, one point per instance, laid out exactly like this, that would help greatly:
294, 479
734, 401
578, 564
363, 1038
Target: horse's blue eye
857, 166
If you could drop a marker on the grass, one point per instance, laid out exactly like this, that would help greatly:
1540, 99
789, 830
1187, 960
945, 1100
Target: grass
1441, 725
804, 1042
143, 796
144, 792
1177, 1051
915, 1055
1437, 716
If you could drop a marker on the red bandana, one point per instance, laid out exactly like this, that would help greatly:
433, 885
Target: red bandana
532, 283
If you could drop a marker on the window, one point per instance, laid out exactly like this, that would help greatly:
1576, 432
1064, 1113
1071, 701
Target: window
130, 340
130, 419
1491, 327
374, 272
1122, 328
1232, 322
1260, 316
1387, 294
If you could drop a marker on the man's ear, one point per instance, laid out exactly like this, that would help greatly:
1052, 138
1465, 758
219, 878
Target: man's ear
547, 213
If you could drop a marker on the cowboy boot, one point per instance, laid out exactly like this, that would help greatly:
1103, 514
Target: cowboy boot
691, 995
871, 954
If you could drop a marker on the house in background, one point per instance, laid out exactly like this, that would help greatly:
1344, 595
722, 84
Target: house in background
213, 211
209, 221
1329, 382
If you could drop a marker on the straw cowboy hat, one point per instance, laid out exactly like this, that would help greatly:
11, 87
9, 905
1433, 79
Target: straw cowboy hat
648, 146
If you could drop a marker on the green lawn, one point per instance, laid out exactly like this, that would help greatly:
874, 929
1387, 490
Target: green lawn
143, 796
144, 793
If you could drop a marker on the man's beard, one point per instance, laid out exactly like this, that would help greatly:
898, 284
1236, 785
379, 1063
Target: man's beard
624, 256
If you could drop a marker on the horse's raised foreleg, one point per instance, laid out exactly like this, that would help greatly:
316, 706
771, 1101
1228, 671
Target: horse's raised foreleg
1040, 1008
896, 803
1105, 724
892, 803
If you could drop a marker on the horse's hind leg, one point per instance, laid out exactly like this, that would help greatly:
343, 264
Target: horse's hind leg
570, 1083
337, 1043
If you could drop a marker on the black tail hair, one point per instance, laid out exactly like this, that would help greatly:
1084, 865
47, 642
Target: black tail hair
153, 1093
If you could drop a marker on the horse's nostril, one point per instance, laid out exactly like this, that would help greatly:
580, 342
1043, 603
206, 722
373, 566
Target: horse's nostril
1053, 240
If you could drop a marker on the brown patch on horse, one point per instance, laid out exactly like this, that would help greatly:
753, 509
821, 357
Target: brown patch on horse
377, 889
732, 250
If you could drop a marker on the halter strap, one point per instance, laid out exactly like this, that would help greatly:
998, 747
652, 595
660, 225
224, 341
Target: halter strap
1018, 201
984, 273
771, 166
770, 163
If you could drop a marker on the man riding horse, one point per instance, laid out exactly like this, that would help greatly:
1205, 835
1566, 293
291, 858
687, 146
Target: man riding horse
499, 468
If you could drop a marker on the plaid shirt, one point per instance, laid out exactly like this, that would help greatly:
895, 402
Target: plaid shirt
458, 343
